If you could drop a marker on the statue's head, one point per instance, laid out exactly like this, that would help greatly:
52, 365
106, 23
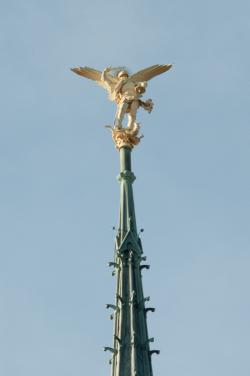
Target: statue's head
122, 74
141, 87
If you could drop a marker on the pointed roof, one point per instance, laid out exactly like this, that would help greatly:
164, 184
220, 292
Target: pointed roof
131, 354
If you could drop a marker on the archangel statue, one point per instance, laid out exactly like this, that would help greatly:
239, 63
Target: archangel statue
126, 90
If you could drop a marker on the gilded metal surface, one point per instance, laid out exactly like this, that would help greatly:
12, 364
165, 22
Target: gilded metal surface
126, 90
125, 137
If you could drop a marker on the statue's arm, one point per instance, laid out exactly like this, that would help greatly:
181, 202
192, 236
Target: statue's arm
106, 77
147, 105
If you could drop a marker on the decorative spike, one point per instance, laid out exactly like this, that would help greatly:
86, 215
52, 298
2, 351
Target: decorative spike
110, 349
144, 267
114, 264
114, 307
149, 310
151, 352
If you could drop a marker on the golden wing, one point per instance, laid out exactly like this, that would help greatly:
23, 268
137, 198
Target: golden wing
89, 73
150, 72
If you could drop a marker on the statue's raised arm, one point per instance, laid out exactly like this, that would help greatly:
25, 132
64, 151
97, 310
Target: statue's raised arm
107, 78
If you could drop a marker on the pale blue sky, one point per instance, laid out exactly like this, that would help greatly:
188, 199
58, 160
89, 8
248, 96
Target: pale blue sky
60, 198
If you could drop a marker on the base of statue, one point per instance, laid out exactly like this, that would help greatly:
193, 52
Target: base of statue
125, 137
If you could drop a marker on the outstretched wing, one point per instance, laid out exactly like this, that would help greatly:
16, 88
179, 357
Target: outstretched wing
105, 80
89, 73
150, 72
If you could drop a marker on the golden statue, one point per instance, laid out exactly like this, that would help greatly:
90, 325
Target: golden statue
126, 90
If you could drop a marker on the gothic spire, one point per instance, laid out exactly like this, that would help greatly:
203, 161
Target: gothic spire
131, 353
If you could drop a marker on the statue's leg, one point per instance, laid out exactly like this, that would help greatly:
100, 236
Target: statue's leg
120, 112
132, 114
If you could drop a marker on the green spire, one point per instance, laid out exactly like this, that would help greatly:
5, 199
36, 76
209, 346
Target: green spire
131, 354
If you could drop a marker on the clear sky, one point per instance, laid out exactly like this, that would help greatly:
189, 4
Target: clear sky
59, 195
